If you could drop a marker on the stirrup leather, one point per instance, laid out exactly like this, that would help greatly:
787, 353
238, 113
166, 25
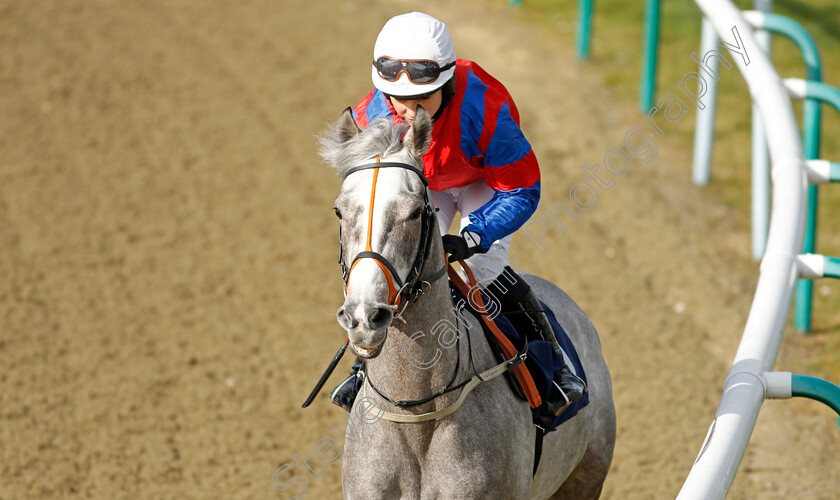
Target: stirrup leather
532, 309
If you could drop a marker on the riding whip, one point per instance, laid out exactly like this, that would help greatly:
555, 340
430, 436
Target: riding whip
326, 374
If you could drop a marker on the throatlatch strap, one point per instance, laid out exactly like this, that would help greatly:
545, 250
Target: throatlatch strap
520, 370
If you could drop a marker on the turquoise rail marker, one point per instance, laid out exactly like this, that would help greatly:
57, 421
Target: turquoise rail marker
814, 92
811, 118
584, 30
831, 267
803, 386
650, 50
803, 303
821, 92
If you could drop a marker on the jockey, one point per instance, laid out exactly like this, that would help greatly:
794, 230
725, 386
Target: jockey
479, 164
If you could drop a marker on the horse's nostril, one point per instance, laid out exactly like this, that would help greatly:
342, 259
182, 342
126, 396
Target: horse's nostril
345, 319
380, 317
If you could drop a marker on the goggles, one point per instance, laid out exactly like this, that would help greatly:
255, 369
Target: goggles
418, 71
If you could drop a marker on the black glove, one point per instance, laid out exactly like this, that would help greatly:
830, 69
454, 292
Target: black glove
457, 247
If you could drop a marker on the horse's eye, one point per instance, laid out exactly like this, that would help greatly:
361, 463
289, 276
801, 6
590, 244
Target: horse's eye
416, 214
337, 212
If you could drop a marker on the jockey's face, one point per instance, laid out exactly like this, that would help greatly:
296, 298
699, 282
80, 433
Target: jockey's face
406, 108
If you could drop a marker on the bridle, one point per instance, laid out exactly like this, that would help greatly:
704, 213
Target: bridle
403, 292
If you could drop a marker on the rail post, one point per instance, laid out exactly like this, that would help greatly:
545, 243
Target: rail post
811, 118
584, 29
760, 197
704, 130
649, 53
814, 93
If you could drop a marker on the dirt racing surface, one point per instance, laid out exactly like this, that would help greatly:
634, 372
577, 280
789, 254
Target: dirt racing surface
167, 252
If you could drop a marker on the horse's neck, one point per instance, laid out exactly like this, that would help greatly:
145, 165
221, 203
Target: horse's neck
420, 355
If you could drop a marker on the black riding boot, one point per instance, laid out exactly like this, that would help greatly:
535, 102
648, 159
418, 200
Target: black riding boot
521, 307
345, 393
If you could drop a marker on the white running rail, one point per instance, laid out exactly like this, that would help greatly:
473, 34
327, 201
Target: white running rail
747, 383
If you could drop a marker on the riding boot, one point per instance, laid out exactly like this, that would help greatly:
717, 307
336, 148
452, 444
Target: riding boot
345, 393
521, 307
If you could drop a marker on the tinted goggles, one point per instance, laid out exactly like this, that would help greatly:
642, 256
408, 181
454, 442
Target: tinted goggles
418, 71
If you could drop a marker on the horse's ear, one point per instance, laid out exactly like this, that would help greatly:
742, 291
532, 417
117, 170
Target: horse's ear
347, 127
419, 136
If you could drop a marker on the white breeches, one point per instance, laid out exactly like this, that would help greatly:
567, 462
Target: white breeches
465, 200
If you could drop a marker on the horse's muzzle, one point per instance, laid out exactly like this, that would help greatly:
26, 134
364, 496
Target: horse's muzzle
366, 325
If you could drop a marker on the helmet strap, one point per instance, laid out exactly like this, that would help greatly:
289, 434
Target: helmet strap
448, 93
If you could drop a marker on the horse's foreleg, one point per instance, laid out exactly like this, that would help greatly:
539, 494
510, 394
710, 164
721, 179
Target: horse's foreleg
586, 481
562, 495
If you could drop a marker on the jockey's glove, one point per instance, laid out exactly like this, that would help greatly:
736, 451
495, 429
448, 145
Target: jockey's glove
463, 246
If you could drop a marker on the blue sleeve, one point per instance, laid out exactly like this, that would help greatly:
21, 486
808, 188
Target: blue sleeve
506, 212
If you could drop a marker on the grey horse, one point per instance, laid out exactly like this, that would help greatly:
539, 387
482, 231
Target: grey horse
485, 449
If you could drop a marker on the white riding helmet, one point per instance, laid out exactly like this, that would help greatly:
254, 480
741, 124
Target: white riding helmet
409, 48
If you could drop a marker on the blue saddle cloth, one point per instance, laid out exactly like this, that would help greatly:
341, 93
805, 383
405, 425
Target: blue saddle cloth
542, 362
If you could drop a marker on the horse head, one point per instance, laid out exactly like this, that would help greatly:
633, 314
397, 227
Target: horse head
387, 222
